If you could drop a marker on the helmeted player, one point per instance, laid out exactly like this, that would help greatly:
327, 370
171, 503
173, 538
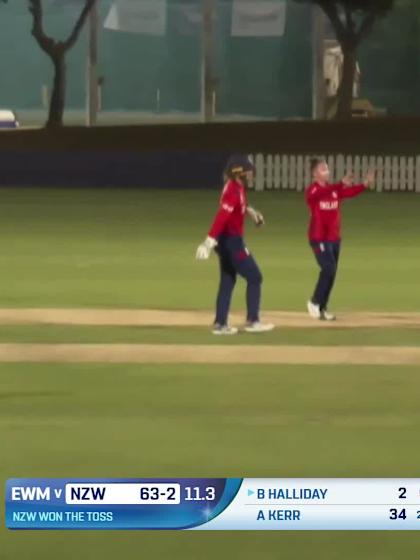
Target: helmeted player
324, 201
226, 238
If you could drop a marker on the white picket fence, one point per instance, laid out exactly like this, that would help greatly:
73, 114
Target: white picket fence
292, 172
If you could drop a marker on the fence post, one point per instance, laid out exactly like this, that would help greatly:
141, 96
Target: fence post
380, 174
259, 172
418, 174
387, 173
269, 172
410, 174
402, 185
395, 174
277, 166
300, 173
285, 172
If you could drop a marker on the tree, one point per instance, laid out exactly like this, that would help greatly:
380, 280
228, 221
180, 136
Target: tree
57, 51
353, 21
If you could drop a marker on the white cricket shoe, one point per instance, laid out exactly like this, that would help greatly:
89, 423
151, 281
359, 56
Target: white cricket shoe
314, 310
258, 327
224, 330
327, 316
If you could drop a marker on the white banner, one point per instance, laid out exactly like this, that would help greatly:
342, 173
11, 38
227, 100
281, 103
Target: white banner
258, 18
137, 16
191, 13
188, 18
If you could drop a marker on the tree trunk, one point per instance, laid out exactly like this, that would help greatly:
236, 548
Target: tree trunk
318, 54
345, 93
58, 97
207, 60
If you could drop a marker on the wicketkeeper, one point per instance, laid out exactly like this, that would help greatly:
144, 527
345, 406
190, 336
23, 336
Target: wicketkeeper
226, 238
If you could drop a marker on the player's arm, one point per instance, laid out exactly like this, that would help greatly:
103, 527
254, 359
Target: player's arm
349, 190
255, 216
227, 206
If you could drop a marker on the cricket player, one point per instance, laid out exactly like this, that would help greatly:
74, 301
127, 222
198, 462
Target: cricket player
324, 201
226, 237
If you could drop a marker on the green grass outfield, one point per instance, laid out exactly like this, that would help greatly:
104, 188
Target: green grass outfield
135, 248
99, 420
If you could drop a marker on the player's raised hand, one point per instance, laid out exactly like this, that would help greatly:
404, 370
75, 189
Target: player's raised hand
348, 180
369, 178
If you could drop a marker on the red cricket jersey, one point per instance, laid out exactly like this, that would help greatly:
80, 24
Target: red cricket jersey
230, 218
324, 203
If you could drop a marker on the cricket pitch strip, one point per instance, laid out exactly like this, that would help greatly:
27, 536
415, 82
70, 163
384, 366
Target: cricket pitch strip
167, 318
208, 354
203, 354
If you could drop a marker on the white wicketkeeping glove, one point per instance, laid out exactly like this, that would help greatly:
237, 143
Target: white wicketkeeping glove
255, 216
204, 250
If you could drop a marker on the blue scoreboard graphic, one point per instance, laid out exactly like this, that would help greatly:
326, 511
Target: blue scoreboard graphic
213, 504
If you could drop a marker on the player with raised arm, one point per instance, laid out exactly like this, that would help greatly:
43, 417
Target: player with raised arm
226, 238
324, 201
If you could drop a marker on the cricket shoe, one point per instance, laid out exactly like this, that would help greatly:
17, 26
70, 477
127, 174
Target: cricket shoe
224, 330
314, 310
327, 316
257, 327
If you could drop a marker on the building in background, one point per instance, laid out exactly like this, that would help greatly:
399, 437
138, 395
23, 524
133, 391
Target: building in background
262, 60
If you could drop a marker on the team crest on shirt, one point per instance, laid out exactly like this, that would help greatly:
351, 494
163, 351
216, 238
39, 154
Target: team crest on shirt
327, 205
334, 194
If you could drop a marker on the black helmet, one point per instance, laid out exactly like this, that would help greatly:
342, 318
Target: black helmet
239, 163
